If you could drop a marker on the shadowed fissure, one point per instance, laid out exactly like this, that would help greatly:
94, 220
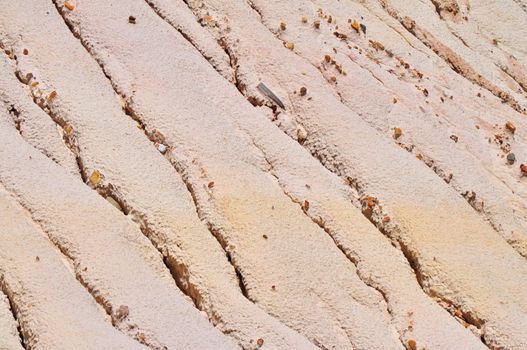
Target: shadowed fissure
21, 331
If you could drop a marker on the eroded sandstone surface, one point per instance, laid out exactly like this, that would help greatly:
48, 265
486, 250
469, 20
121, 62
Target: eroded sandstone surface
263, 174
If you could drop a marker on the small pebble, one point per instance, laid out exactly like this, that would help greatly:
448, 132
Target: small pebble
290, 46
301, 134
397, 132
69, 5
363, 27
52, 95
122, 312
131, 19
25, 52
511, 158
510, 126
412, 344
162, 148
355, 25
303, 91
141, 338
95, 178
68, 130
316, 24
523, 169
304, 19
282, 26
260, 341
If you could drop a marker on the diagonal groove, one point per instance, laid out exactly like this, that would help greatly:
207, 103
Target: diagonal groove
522, 4
13, 307
181, 30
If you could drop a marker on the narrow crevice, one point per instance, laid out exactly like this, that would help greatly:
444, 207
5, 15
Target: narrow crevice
396, 30
4, 288
178, 270
44, 104
257, 10
15, 116
222, 43
465, 318
458, 36
522, 4
15, 112
437, 6
190, 291
506, 70
187, 37
233, 61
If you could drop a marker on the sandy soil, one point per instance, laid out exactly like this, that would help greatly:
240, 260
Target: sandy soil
250, 174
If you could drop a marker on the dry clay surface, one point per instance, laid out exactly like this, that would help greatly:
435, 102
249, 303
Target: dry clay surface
263, 174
